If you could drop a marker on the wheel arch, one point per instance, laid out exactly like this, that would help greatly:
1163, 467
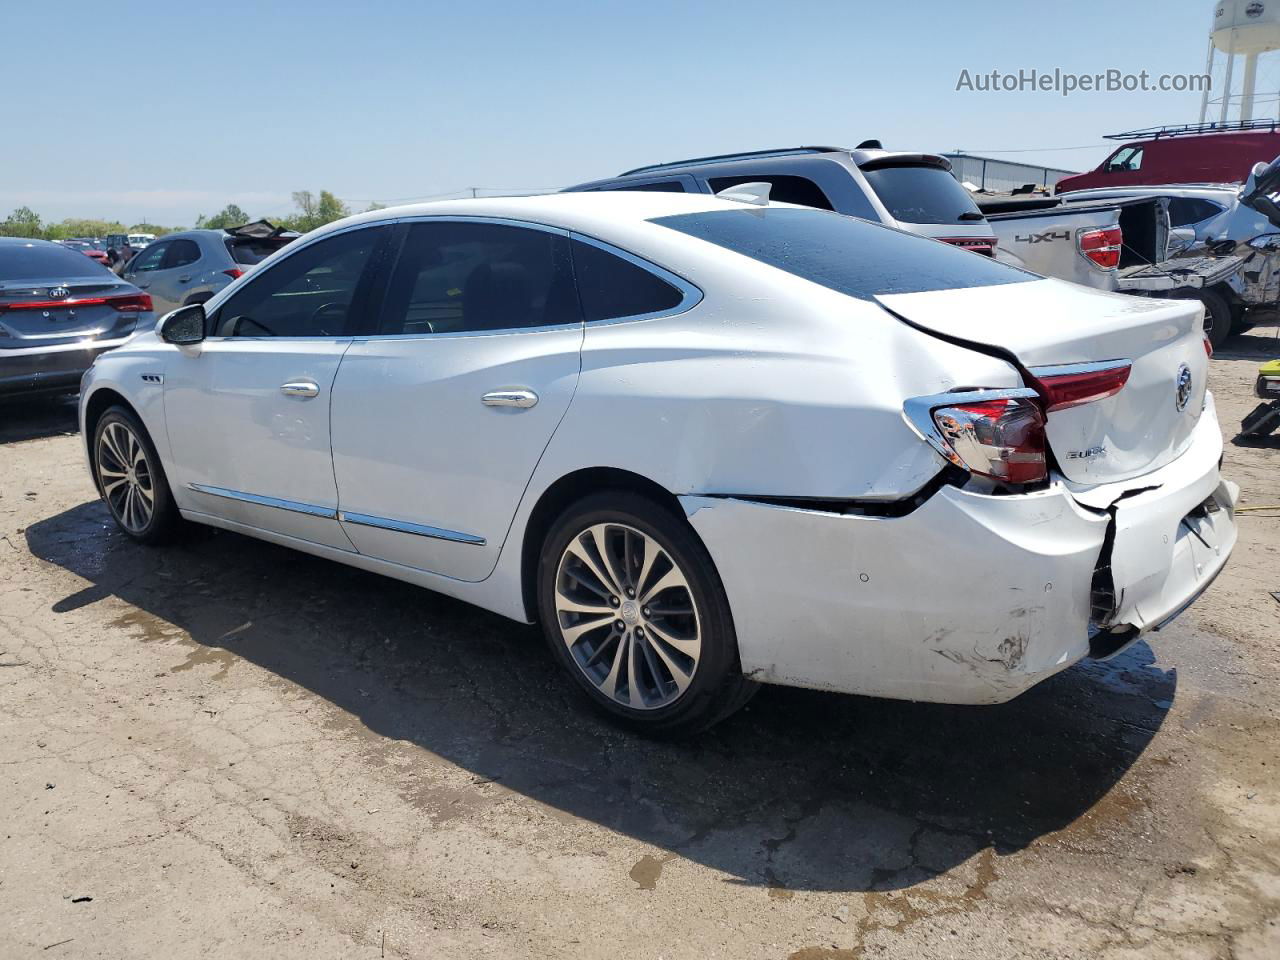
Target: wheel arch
559, 495
99, 402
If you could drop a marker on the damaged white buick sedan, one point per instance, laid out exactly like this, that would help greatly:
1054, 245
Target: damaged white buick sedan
707, 443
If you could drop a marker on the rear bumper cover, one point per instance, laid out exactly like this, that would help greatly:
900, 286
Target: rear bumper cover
969, 598
50, 368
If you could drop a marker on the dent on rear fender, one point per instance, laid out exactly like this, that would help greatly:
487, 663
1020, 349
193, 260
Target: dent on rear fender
969, 599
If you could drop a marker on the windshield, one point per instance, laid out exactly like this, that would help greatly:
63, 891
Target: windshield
922, 195
39, 260
845, 254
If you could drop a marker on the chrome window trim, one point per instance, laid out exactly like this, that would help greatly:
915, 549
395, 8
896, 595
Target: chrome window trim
1066, 369
417, 529
690, 294
495, 221
918, 412
293, 506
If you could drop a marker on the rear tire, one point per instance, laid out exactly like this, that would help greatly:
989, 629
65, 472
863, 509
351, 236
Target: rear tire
1218, 321
131, 479
634, 611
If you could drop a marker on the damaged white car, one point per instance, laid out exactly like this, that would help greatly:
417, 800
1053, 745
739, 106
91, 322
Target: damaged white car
706, 443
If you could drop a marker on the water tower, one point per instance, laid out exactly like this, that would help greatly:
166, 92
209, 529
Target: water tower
1241, 28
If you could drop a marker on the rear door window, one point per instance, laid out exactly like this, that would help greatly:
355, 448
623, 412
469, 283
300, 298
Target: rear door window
1184, 211
181, 253
459, 277
612, 287
922, 194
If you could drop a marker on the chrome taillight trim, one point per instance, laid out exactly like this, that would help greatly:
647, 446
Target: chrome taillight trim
1070, 369
918, 412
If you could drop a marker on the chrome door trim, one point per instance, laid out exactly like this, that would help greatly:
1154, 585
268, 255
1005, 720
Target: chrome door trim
310, 509
417, 529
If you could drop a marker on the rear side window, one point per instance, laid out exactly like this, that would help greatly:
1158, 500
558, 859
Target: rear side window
41, 260
783, 188
915, 194
611, 287
845, 254
181, 253
1184, 211
457, 277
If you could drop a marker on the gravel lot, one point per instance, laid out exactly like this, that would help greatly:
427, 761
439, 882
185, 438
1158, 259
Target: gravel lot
227, 749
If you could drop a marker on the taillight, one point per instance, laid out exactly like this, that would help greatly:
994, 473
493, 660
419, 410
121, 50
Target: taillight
1101, 247
1208, 347
1076, 383
980, 245
130, 302
235, 273
1003, 439
997, 433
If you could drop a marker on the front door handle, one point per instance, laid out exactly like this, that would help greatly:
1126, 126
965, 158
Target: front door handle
302, 389
510, 398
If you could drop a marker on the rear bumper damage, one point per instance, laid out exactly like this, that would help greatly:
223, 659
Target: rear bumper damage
969, 598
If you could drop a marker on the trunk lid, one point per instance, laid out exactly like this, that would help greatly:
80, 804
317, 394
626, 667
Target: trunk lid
1047, 323
66, 318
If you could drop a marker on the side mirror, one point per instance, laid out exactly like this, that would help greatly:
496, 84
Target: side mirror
183, 326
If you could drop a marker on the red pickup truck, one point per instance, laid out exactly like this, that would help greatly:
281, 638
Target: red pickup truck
1190, 153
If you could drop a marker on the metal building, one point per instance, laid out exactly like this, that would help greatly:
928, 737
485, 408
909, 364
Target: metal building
998, 176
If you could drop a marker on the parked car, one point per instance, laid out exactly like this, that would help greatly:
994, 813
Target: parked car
190, 267
1119, 244
58, 311
912, 191
706, 443
89, 248
1204, 153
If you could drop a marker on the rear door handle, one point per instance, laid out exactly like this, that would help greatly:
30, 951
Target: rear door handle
302, 389
510, 398
184, 279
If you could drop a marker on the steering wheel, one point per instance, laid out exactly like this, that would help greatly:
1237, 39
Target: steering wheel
335, 308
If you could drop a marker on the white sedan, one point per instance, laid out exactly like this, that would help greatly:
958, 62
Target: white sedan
707, 443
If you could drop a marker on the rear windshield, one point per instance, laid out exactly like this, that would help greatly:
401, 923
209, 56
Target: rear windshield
845, 254
40, 260
922, 195
249, 251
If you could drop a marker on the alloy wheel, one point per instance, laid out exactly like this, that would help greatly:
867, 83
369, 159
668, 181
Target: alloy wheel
127, 479
627, 616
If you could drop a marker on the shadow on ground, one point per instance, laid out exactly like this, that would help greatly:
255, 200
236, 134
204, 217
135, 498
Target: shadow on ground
31, 418
803, 790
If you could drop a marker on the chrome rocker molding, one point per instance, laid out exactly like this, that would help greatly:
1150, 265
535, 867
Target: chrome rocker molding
327, 513
918, 412
418, 529
293, 506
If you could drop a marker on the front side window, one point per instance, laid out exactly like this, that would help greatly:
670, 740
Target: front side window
149, 259
1126, 158
458, 277
611, 287
845, 254
181, 253
317, 292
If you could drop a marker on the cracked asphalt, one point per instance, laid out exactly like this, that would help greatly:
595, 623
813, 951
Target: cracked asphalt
226, 749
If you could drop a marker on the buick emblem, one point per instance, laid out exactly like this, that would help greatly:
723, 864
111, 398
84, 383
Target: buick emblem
1182, 394
59, 293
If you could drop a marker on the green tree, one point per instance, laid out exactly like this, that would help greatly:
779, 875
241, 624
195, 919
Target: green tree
229, 216
23, 222
314, 211
155, 228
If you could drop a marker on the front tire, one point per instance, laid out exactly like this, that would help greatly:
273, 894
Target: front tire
635, 612
131, 479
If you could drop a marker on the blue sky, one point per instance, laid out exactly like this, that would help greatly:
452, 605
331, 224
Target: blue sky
160, 112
